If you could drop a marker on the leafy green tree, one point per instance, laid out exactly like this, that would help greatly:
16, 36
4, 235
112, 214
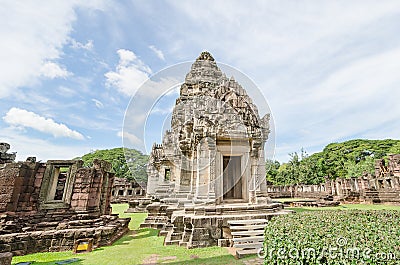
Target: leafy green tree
136, 169
337, 160
356, 169
285, 175
271, 169
395, 149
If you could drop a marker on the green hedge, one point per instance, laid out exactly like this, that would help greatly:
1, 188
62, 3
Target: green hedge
334, 237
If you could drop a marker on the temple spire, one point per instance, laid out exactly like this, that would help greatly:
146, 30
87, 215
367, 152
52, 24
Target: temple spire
205, 56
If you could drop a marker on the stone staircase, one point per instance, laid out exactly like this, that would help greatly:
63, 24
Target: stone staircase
157, 217
247, 236
165, 189
387, 196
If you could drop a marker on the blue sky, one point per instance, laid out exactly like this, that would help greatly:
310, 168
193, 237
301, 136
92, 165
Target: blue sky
329, 69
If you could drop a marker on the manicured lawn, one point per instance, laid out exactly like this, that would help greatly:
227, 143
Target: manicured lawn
139, 247
142, 246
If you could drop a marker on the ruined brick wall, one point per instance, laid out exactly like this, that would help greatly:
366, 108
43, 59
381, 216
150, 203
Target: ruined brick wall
30, 189
33, 220
9, 191
92, 188
19, 186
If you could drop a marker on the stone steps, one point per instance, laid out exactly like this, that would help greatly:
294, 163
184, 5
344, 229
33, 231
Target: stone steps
172, 242
250, 221
156, 222
173, 238
248, 233
247, 239
248, 227
382, 196
254, 245
247, 236
245, 252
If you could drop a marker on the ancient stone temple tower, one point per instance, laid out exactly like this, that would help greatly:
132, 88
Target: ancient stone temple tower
214, 151
209, 171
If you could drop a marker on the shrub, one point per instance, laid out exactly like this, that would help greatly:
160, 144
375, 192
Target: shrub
334, 237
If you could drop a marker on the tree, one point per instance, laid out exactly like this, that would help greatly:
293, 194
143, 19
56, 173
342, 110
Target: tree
395, 149
337, 160
357, 169
271, 169
136, 169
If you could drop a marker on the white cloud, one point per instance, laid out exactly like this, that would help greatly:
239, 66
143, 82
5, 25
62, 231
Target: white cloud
329, 70
23, 118
275, 31
162, 111
130, 139
78, 45
158, 52
53, 70
27, 146
66, 91
98, 103
33, 33
129, 74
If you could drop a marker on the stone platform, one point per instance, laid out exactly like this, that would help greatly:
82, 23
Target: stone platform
205, 225
61, 236
138, 205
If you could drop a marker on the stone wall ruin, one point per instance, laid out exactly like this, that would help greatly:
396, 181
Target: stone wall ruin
382, 187
48, 206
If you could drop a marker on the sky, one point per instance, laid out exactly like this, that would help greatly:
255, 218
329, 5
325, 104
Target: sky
329, 70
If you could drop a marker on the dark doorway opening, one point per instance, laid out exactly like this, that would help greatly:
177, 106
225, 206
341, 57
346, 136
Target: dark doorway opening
232, 178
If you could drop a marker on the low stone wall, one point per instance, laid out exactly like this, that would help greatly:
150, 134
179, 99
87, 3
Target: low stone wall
106, 230
297, 191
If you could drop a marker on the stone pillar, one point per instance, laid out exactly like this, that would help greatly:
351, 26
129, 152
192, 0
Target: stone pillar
213, 165
153, 178
253, 180
193, 173
185, 175
203, 170
219, 193
262, 174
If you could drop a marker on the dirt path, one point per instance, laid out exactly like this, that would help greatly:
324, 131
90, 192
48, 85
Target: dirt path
152, 260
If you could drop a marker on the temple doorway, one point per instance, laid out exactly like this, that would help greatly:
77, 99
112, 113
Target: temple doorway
232, 182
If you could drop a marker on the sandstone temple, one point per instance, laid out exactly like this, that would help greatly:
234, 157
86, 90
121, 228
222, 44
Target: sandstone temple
215, 149
209, 171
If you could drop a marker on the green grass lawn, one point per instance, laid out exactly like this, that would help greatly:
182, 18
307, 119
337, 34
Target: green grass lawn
140, 245
137, 248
